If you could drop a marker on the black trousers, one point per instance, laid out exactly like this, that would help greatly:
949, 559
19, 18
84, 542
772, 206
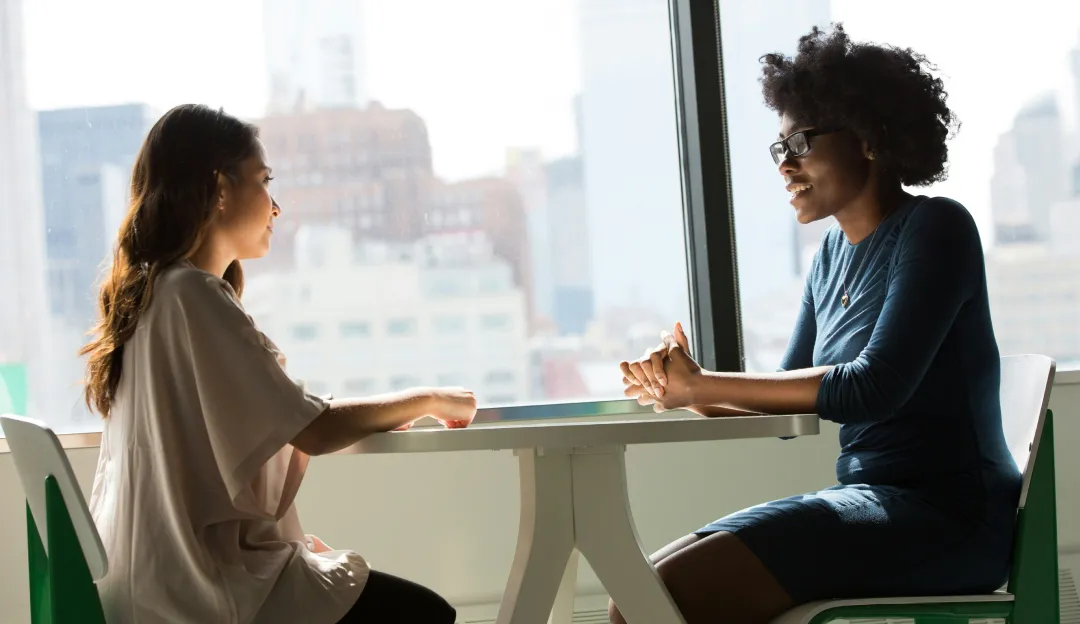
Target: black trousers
387, 599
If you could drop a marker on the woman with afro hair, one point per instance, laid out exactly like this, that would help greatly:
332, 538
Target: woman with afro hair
893, 342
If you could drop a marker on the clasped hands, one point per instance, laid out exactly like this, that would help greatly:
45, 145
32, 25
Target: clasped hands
666, 377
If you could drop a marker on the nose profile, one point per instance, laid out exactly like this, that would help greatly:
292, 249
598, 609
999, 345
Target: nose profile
788, 165
276, 207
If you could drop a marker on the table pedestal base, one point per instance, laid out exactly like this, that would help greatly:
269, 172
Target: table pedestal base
577, 499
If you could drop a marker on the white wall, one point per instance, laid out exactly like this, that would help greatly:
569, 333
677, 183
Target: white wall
450, 520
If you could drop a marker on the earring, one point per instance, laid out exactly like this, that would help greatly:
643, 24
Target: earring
871, 156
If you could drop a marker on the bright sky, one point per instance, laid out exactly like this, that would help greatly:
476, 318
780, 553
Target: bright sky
484, 74
491, 74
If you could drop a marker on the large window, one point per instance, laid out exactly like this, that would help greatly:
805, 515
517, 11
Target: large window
1013, 77
533, 189
467, 185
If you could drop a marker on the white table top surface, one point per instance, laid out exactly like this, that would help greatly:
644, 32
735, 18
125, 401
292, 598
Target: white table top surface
636, 429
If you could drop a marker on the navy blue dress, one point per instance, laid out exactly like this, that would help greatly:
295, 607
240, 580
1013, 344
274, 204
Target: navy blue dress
927, 489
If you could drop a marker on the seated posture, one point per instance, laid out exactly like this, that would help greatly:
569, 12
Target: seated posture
893, 342
206, 439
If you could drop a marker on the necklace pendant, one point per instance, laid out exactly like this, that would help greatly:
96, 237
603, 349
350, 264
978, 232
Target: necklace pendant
844, 301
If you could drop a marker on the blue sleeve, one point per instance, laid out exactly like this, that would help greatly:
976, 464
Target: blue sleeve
800, 349
938, 267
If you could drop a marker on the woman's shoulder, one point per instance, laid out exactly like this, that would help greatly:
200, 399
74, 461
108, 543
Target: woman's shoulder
940, 213
939, 230
184, 281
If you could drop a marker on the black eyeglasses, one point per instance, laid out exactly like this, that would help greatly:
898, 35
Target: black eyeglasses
796, 144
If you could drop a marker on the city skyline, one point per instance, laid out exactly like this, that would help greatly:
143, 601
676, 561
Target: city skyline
531, 101
580, 139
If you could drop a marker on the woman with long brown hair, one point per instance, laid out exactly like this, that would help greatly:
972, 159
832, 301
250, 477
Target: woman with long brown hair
206, 438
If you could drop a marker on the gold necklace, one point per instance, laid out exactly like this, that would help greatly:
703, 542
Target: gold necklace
844, 298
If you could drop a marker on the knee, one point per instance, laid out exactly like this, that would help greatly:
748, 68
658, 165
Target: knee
432, 607
442, 612
671, 576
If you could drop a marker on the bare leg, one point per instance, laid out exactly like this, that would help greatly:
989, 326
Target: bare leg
656, 557
673, 548
718, 579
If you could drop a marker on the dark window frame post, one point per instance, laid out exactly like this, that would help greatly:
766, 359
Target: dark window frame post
712, 261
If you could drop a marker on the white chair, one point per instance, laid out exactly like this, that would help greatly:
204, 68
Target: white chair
67, 556
1032, 593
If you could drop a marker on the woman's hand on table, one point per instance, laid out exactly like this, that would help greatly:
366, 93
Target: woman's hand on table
665, 376
454, 407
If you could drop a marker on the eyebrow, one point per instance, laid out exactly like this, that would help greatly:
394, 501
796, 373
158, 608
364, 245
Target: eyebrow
781, 137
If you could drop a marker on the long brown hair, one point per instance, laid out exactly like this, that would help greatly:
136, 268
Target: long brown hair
174, 188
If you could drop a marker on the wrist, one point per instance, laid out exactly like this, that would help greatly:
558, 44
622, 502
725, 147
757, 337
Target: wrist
417, 402
697, 391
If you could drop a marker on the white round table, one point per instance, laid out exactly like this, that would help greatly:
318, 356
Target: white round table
574, 498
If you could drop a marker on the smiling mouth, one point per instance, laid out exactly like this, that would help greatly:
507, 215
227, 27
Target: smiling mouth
799, 189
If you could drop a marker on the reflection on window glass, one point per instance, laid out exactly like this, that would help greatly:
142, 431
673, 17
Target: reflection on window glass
1014, 162
522, 203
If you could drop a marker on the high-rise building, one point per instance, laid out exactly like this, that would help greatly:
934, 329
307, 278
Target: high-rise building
370, 172
24, 343
1008, 194
1033, 269
1030, 174
441, 310
314, 54
525, 170
1074, 67
573, 306
86, 160
491, 206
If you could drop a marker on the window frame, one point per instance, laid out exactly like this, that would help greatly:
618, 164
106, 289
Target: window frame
712, 260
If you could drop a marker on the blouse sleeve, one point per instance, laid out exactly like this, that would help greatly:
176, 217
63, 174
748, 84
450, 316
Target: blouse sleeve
250, 407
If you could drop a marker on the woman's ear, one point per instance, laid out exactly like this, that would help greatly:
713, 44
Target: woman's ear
868, 152
223, 186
